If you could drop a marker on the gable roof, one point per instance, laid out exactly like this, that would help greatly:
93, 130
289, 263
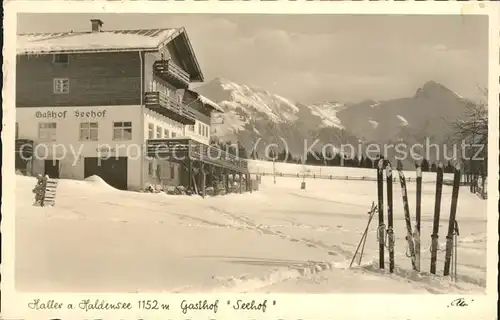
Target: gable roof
109, 41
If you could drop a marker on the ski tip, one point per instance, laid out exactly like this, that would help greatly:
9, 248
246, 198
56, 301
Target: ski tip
381, 163
388, 170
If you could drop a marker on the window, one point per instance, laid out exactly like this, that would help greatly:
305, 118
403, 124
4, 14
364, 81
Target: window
17, 130
191, 127
61, 85
61, 58
173, 134
122, 131
151, 130
47, 131
89, 131
172, 172
166, 134
158, 132
199, 128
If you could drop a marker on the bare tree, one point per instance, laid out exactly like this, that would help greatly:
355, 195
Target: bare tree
473, 131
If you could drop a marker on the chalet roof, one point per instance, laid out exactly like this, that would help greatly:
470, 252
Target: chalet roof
210, 103
109, 41
207, 102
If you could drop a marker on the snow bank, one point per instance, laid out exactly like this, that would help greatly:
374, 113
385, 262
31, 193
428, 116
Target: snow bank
98, 182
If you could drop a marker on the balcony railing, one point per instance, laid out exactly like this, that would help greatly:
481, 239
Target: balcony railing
168, 107
172, 73
180, 149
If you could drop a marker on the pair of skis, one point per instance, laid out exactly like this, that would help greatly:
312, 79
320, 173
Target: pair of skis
452, 224
383, 235
413, 239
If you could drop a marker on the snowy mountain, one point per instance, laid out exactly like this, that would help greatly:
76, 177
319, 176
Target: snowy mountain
255, 114
427, 114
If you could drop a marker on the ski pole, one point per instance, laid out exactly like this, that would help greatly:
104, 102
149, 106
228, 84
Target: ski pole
372, 211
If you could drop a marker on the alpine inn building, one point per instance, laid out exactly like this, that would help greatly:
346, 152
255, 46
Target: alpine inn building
117, 104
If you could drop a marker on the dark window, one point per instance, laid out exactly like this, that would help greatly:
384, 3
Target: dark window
61, 58
172, 172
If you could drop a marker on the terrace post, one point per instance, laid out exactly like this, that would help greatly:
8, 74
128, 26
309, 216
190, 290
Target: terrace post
249, 183
226, 172
241, 182
210, 177
202, 179
190, 174
233, 179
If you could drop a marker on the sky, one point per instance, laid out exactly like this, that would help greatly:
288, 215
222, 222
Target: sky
317, 58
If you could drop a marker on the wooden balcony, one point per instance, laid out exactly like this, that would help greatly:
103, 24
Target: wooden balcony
24, 148
182, 149
168, 107
172, 73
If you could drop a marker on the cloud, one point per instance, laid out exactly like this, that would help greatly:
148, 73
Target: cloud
375, 60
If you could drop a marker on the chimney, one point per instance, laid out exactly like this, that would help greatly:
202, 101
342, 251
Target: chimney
96, 25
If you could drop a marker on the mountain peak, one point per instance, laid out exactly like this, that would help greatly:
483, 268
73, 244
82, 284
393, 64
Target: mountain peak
221, 80
433, 85
433, 88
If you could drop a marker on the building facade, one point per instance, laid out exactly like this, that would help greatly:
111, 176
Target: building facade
91, 103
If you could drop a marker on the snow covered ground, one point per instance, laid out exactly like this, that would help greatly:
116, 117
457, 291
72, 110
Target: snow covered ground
279, 239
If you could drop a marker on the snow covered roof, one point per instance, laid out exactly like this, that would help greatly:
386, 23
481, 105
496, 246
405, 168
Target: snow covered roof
210, 103
110, 41
205, 101
113, 40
